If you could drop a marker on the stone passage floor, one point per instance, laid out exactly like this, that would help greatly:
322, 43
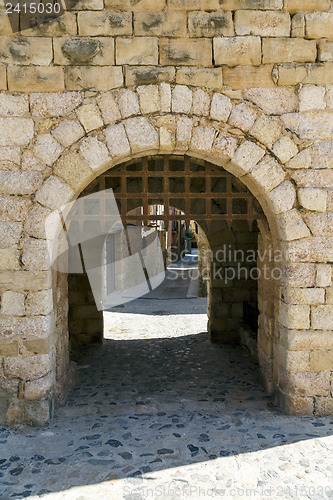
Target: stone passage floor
160, 413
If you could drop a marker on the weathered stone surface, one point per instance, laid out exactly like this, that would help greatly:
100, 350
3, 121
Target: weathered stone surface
324, 275
25, 51
325, 50
275, 101
240, 50
292, 226
94, 152
243, 117
35, 255
298, 25
312, 97
35, 222
183, 133
306, 5
268, 174
247, 156
108, 106
39, 303
117, 141
73, 169
181, 99
47, 149
299, 275
301, 160
9, 259
283, 197
185, 51
322, 154
107, 22
211, 78
12, 303
310, 125
128, 103
90, 116
54, 193
294, 316
310, 296
262, 23
143, 75
54, 104
39, 389
141, 135
141, 50
10, 233
29, 368
20, 183
63, 25
202, 138
285, 149
244, 77
16, 131
200, 103
139, 5
95, 51
158, 23
276, 50
13, 208
14, 105
321, 318
68, 132
320, 224
220, 108
91, 78
266, 130
224, 146
319, 25
25, 280
209, 24
149, 98
8, 156
313, 199
36, 79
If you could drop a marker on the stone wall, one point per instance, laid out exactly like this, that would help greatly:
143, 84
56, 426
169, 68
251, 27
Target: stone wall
246, 85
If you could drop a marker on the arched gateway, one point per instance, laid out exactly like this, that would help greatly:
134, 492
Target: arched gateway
80, 137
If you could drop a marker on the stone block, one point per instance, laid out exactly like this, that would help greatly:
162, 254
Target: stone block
25, 51
211, 78
311, 97
301, 161
39, 389
181, 101
313, 199
47, 149
144, 75
238, 50
294, 361
193, 4
149, 98
73, 169
273, 101
159, 23
220, 108
306, 339
39, 303
224, 146
298, 25
7, 26
309, 296
93, 78
310, 125
165, 94
324, 275
109, 108
266, 130
141, 135
321, 317
283, 197
185, 52
183, 133
3, 78
306, 5
200, 103
279, 50
117, 141
16, 131
314, 249
139, 50
268, 174
25, 280
262, 23
35, 255
46, 105
320, 224
325, 50
36, 413
35, 79
299, 275
319, 25
59, 26
322, 154
294, 316
35, 222
13, 208
14, 105
210, 24
68, 132
10, 234
94, 152
137, 5
329, 96
247, 156
243, 117
19, 183
292, 226
9, 259
285, 149
75, 51
128, 102
291, 74
90, 116
105, 23
12, 303
243, 77
8, 349
202, 138
29, 368
319, 74
54, 193
324, 406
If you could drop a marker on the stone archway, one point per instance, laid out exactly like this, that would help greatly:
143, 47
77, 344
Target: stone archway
112, 127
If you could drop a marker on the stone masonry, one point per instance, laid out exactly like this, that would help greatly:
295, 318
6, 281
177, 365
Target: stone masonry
244, 84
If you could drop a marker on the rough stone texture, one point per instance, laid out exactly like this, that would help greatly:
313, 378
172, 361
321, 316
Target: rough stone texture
235, 51
117, 141
283, 50
273, 101
68, 132
220, 108
12, 303
16, 131
89, 116
262, 23
94, 152
54, 193
47, 149
141, 135
313, 199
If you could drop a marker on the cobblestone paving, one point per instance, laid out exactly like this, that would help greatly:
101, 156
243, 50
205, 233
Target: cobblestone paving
159, 412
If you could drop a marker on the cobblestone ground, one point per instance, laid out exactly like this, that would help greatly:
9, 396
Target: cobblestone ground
159, 412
